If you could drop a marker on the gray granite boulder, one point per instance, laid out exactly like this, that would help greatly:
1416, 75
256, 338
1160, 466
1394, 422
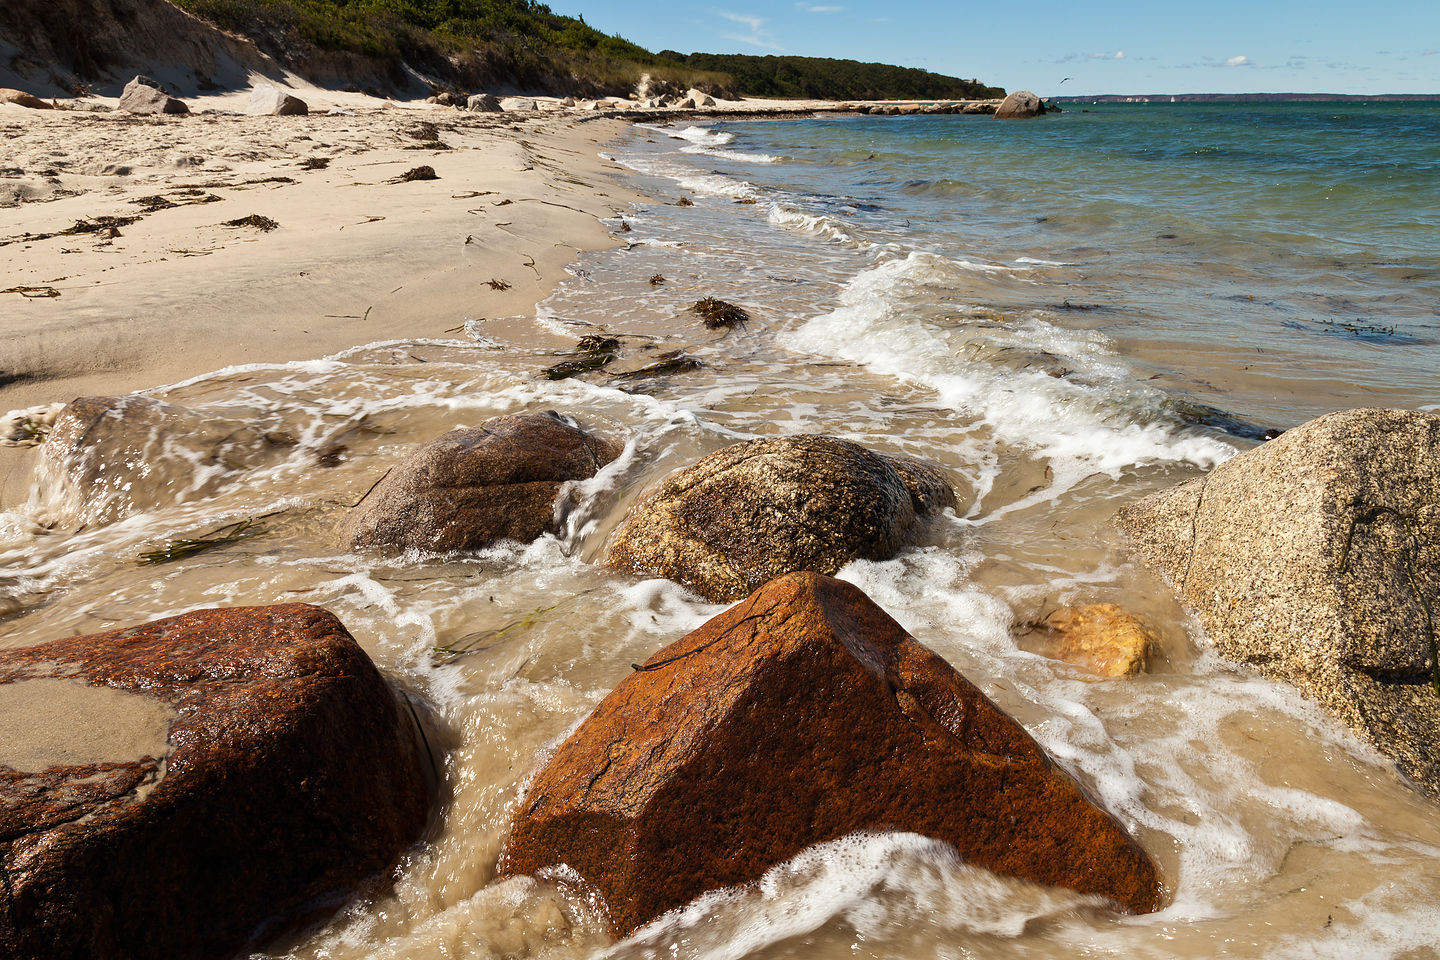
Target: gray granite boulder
483, 103
143, 95
273, 102
475, 485
1316, 559
757, 510
1021, 103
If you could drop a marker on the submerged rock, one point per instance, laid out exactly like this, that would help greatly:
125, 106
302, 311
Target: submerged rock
756, 510
475, 485
1020, 104
799, 716
274, 102
1316, 559
178, 788
143, 95
1104, 638
106, 457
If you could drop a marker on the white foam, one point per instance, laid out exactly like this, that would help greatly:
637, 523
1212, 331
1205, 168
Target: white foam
1079, 422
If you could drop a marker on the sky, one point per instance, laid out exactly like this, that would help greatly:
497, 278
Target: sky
1055, 48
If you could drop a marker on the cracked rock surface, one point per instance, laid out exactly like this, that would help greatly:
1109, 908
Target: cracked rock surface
1316, 559
173, 789
803, 714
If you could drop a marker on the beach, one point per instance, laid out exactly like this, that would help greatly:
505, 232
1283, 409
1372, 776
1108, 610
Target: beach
1063, 315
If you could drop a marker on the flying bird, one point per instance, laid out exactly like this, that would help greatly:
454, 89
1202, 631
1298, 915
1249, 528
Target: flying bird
1062, 81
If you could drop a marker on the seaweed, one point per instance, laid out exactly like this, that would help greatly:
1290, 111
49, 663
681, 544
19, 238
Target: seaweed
314, 163
34, 293
684, 202
720, 314
263, 224
675, 361
110, 225
597, 343
591, 353
498, 284
656, 280
183, 548
424, 172
151, 204
483, 639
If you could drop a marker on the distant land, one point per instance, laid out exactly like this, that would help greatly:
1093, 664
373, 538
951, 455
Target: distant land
1242, 97
408, 48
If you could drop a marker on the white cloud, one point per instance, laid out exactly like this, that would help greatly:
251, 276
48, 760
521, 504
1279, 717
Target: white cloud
813, 8
1117, 55
1239, 62
757, 37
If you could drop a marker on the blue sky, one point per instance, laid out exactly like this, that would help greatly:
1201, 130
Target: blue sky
1221, 46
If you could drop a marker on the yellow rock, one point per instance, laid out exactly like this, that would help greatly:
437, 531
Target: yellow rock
1101, 637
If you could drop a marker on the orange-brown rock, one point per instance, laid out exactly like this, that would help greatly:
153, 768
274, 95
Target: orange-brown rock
178, 788
798, 716
473, 486
756, 510
1103, 638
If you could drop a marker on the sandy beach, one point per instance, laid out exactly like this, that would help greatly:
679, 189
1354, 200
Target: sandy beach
165, 289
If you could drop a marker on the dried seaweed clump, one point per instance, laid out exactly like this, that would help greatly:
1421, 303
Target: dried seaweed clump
656, 280
498, 284
684, 202
263, 224
424, 172
719, 314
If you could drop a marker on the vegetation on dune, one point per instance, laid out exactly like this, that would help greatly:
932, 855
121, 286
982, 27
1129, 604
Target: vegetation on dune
476, 42
816, 77
471, 44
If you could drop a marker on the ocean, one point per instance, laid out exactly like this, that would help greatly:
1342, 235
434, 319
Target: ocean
1065, 314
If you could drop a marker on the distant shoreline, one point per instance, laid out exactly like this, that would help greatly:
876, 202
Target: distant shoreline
1248, 98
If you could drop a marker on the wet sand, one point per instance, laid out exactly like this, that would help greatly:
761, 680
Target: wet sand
168, 289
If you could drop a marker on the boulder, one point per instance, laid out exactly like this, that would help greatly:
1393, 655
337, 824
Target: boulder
107, 457
143, 95
483, 103
1316, 559
273, 102
755, 510
178, 788
700, 97
475, 485
1103, 638
447, 98
799, 716
22, 99
519, 104
1021, 103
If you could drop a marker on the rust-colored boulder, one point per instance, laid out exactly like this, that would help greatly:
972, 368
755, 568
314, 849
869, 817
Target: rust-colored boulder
178, 788
473, 486
755, 510
801, 715
1104, 638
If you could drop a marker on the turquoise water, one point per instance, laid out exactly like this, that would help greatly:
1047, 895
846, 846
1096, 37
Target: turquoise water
1286, 254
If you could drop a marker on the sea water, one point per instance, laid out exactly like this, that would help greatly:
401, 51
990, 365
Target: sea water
1065, 314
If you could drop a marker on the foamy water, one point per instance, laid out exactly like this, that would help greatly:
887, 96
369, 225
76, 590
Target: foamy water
960, 338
